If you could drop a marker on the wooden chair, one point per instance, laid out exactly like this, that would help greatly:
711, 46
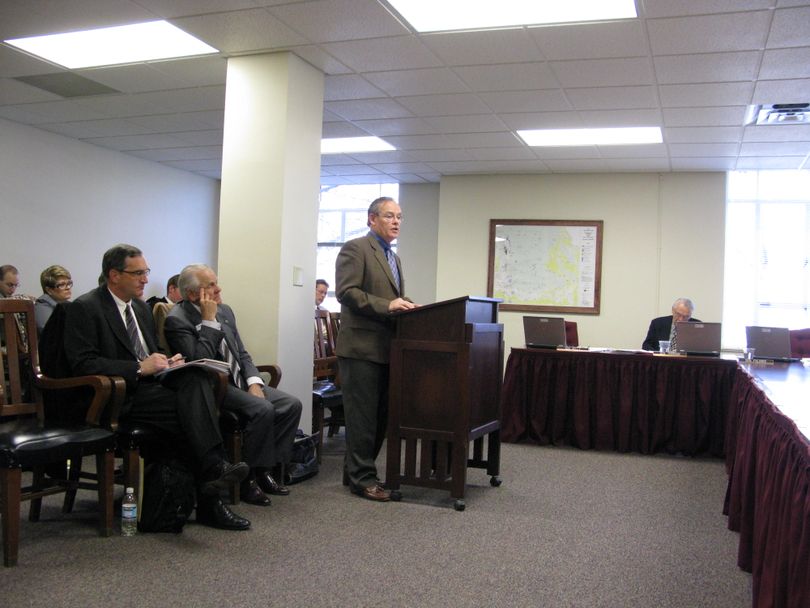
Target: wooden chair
326, 393
29, 441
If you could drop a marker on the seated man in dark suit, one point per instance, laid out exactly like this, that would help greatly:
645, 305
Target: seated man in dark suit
663, 328
110, 331
172, 293
202, 327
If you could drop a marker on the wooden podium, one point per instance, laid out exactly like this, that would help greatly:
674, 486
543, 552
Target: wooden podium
446, 369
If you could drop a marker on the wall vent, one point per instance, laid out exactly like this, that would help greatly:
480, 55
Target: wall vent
779, 114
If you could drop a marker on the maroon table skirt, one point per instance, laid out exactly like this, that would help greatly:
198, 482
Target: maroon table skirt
612, 401
768, 495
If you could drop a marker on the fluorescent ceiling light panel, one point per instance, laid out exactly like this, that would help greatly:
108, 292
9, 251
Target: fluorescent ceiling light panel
114, 45
448, 15
591, 137
349, 145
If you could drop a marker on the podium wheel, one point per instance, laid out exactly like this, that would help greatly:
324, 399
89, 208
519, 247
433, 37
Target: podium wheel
495, 481
459, 505
396, 495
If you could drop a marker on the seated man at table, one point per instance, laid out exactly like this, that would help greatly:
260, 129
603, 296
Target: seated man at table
663, 328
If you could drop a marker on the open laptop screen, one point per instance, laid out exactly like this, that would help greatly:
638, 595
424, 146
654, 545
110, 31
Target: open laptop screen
699, 338
769, 342
544, 332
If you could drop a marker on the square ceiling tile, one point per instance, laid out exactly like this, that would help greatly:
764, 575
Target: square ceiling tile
395, 126
548, 100
707, 67
601, 98
349, 86
714, 94
366, 109
380, 54
444, 105
509, 77
335, 20
785, 64
704, 150
700, 117
709, 33
624, 38
483, 47
789, 27
603, 72
425, 81
674, 135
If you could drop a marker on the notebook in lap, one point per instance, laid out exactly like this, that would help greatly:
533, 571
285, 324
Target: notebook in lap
771, 343
544, 332
699, 338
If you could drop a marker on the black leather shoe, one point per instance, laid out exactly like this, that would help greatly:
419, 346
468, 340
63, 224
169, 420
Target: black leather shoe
270, 485
222, 476
215, 513
251, 493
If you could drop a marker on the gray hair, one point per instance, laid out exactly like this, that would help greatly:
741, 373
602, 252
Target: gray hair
189, 281
376, 204
686, 302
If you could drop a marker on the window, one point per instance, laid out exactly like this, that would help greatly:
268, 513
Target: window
342, 217
767, 277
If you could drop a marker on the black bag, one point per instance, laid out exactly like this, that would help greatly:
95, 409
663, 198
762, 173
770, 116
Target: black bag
303, 463
168, 497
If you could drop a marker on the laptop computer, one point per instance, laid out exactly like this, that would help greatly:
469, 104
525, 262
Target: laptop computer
544, 332
771, 343
699, 338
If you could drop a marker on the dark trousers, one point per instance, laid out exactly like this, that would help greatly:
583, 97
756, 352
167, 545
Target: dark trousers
182, 406
270, 424
365, 406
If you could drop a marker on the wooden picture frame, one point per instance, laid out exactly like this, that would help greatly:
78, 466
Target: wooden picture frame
546, 265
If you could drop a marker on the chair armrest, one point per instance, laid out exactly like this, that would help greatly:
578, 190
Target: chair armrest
274, 371
107, 390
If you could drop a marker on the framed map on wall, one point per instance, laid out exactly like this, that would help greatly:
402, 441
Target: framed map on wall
546, 265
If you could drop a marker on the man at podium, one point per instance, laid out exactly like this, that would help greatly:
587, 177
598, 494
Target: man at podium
369, 287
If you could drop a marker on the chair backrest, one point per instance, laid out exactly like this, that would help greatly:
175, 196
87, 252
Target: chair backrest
325, 333
18, 367
334, 324
160, 311
800, 342
571, 334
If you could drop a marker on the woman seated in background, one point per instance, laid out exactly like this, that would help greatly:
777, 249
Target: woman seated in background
56, 287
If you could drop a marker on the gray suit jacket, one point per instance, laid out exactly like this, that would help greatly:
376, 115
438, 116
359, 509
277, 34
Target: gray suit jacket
185, 334
364, 287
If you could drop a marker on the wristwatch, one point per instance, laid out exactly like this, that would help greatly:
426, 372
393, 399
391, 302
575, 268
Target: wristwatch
138, 373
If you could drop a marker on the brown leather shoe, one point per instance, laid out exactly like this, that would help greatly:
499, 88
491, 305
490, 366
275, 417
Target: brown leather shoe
375, 492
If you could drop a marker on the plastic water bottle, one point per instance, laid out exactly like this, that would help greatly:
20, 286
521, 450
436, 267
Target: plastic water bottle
129, 513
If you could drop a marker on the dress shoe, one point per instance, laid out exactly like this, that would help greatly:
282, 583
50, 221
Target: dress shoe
222, 476
252, 494
270, 485
375, 492
215, 513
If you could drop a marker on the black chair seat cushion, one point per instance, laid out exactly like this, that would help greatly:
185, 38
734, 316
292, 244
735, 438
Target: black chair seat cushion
23, 442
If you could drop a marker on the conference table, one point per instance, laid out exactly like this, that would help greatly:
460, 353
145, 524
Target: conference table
756, 416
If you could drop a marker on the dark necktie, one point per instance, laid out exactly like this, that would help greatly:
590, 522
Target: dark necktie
673, 339
227, 355
132, 330
392, 262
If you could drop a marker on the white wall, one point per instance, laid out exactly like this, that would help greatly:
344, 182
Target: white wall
66, 202
663, 238
418, 242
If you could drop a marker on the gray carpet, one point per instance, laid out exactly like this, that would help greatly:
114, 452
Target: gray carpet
566, 528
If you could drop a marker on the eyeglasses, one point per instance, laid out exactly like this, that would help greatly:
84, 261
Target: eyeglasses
389, 217
138, 273
67, 285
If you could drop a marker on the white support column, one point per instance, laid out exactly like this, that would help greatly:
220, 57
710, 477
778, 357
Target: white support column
269, 210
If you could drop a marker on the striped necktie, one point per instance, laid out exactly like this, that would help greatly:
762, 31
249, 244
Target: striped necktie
392, 262
673, 338
132, 330
227, 355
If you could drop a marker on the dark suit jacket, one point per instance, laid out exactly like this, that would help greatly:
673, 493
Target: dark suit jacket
660, 328
96, 339
185, 334
365, 286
